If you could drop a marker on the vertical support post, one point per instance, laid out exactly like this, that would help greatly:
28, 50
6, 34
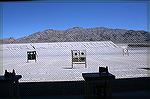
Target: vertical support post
1, 62
35, 56
72, 57
27, 57
17, 91
85, 60
1, 36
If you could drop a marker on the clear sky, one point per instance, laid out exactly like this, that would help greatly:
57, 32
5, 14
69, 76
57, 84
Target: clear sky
22, 19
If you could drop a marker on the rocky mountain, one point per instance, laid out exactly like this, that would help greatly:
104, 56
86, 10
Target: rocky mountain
8, 40
79, 34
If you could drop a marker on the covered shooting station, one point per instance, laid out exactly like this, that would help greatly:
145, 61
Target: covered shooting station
98, 85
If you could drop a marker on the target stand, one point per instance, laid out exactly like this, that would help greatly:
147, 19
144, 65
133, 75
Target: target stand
31, 55
78, 57
125, 51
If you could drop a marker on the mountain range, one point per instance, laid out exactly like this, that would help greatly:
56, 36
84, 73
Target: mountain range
79, 34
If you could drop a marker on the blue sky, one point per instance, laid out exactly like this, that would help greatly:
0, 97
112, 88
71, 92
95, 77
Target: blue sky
22, 19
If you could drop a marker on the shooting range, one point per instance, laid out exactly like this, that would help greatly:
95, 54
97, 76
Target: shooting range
54, 60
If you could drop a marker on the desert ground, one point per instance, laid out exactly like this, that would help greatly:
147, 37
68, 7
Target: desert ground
54, 60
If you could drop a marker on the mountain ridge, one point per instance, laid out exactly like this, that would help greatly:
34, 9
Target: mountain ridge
79, 34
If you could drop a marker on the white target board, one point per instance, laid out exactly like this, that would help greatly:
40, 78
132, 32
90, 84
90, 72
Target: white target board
31, 55
78, 57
